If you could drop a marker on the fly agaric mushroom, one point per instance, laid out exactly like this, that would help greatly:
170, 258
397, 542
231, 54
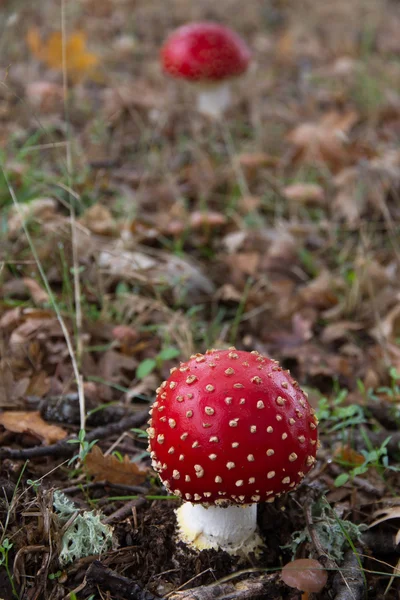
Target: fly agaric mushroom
306, 575
210, 55
229, 429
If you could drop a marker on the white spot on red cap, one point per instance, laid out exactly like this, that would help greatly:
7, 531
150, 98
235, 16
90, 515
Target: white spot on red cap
199, 470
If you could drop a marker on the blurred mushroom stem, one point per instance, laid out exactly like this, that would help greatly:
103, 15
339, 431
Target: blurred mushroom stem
213, 98
230, 528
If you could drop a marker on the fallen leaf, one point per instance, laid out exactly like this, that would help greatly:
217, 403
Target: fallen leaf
366, 186
99, 220
321, 292
206, 219
339, 330
251, 163
389, 326
109, 468
32, 423
40, 209
39, 296
45, 96
325, 141
305, 193
348, 455
79, 62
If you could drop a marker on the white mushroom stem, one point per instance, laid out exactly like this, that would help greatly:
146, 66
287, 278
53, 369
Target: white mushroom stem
231, 528
213, 99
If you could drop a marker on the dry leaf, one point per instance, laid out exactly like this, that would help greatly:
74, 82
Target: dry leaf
32, 423
324, 141
251, 163
389, 326
45, 96
321, 292
41, 209
39, 296
206, 220
110, 468
349, 456
98, 219
305, 193
339, 330
79, 62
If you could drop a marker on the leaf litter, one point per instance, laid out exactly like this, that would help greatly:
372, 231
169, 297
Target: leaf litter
285, 240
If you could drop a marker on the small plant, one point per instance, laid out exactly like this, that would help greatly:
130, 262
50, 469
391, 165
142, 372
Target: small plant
335, 416
85, 447
4, 552
148, 365
376, 458
392, 392
335, 534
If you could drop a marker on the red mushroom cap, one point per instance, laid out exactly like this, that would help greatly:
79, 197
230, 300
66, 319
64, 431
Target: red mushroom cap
231, 427
204, 52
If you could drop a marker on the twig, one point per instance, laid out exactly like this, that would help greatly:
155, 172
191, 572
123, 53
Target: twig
322, 554
65, 448
125, 510
349, 582
111, 581
251, 589
137, 489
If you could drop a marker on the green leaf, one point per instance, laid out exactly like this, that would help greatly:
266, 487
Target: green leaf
145, 368
168, 353
341, 479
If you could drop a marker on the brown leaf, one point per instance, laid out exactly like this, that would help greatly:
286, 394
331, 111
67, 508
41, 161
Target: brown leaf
206, 220
45, 96
39, 296
98, 219
321, 291
32, 423
348, 455
253, 162
389, 327
339, 330
109, 468
325, 141
40, 209
305, 193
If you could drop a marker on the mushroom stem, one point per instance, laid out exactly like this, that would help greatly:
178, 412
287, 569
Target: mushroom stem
213, 99
231, 528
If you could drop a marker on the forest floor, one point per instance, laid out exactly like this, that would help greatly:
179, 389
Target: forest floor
135, 232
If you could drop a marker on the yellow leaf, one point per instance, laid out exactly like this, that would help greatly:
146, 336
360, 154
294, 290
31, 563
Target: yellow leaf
34, 42
79, 62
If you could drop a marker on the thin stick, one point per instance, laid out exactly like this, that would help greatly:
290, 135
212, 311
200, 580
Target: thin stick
75, 259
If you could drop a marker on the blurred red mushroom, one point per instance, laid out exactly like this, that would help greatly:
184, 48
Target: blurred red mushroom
209, 55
